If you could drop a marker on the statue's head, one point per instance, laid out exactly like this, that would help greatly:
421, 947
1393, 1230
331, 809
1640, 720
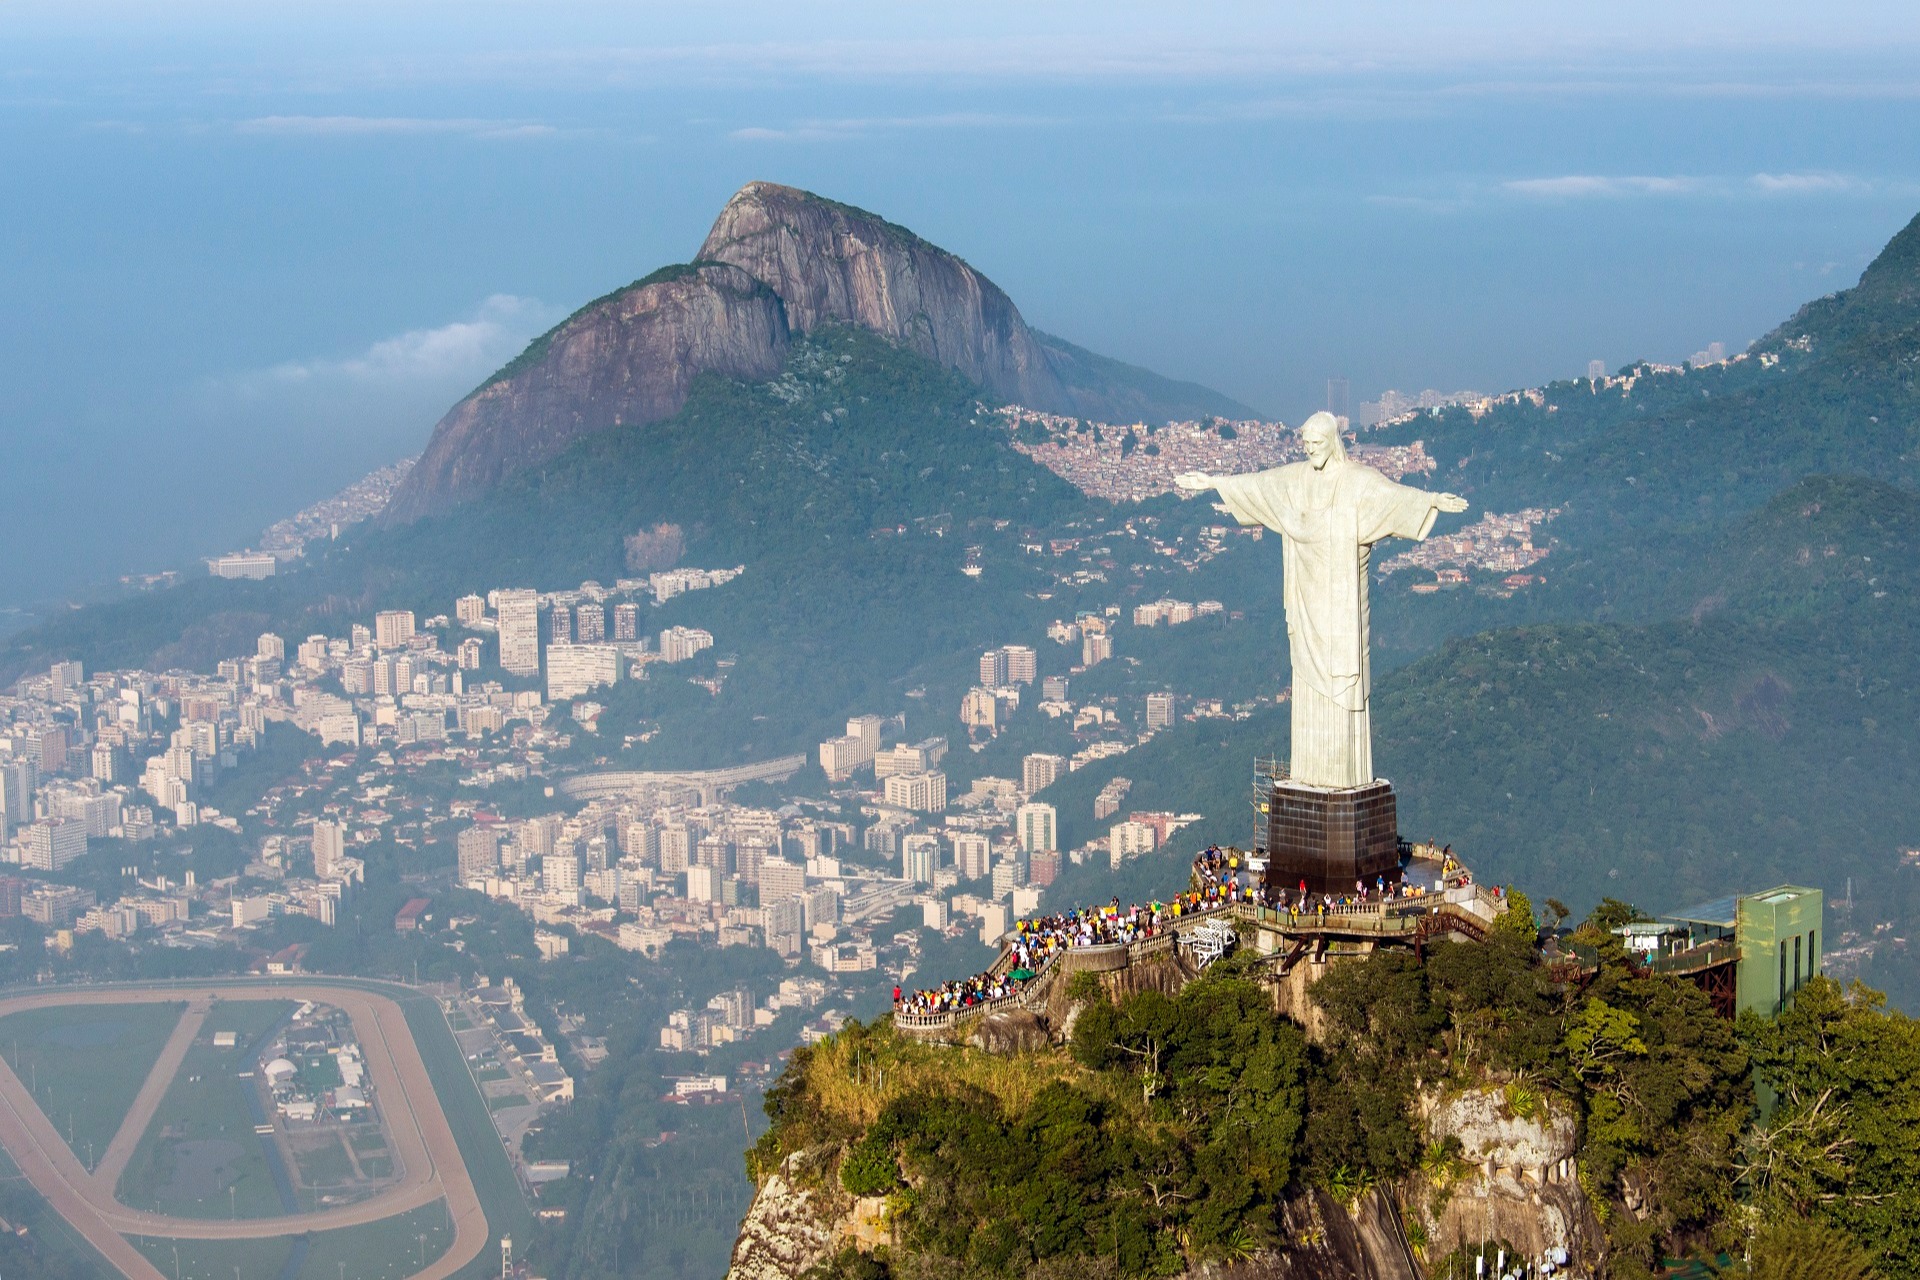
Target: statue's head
1321, 436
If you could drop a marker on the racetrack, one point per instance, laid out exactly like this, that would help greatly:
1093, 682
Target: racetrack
423, 1143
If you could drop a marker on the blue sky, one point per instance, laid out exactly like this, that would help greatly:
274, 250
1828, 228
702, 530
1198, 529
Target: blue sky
248, 253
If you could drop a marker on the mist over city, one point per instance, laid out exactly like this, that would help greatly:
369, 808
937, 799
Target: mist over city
858, 642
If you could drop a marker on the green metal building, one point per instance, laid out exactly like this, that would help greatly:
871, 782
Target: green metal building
1774, 938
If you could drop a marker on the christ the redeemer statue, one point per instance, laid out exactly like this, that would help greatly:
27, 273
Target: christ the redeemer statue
1329, 511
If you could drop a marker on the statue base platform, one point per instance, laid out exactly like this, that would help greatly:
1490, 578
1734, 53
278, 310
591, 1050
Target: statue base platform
1331, 837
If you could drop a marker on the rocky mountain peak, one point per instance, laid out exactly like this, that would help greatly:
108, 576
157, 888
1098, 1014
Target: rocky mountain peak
833, 263
778, 261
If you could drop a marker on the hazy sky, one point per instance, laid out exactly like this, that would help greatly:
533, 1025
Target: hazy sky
248, 253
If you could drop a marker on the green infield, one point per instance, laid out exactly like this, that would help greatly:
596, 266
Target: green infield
200, 1157
85, 1063
389, 1249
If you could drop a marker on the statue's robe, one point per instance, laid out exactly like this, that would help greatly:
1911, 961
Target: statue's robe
1329, 519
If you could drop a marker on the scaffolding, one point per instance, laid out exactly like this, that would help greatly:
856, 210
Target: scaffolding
1267, 770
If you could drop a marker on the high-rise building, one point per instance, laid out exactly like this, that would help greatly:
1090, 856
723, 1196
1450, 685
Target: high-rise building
1040, 771
54, 843
470, 654
780, 878
993, 668
1009, 873
676, 848
329, 848
270, 645
626, 622
640, 842
469, 609
589, 623
18, 779
987, 709
1596, 369
972, 854
1107, 803
916, 757
520, 632
53, 749
560, 873
1128, 839
785, 924
479, 852
821, 905
1054, 689
572, 669
560, 625
1095, 649
714, 851
703, 883
677, 644
1043, 868
1022, 664
243, 564
920, 858
921, 792
393, 628
867, 730
1159, 710
1038, 826
749, 856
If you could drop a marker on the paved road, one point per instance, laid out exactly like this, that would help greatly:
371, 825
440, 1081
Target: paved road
423, 1142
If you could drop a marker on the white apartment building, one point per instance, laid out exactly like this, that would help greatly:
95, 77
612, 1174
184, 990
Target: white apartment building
519, 631
393, 628
1128, 839
921, 792
1038, 826
972, 853
573, 669
1040, 771
920, 858
677, 644
54, 843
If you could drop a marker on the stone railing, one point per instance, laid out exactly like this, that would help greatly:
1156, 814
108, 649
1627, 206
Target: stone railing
1105, 957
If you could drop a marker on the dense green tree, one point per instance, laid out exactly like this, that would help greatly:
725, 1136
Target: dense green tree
1843, 1141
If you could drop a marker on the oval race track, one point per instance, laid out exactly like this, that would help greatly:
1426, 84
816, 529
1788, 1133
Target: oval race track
415, 1122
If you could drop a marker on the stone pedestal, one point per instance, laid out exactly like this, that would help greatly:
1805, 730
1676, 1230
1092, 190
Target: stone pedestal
1331, 838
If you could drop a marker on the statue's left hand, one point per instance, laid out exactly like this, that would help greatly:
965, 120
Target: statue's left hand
1194, 481
1450, 502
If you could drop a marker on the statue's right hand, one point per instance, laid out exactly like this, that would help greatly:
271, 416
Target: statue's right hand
1194, 481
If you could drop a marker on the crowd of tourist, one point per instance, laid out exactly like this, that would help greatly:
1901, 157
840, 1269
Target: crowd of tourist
1222, 877
1033, 943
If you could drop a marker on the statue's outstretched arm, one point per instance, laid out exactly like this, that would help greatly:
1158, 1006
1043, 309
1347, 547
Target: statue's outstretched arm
1195, 481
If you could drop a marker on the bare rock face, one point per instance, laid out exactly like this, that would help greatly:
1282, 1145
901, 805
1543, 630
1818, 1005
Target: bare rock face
1524, 1185
628, 359
1011, 1032
831, 263
788, 1229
